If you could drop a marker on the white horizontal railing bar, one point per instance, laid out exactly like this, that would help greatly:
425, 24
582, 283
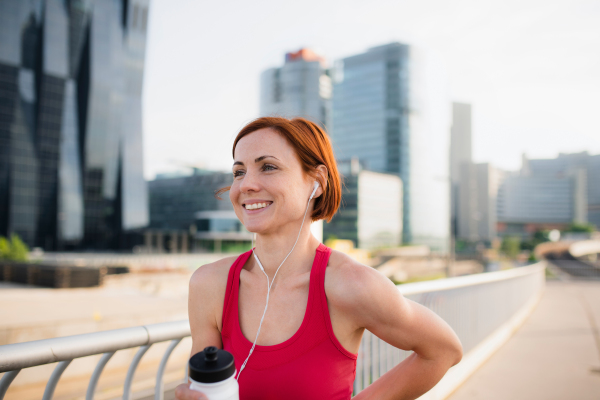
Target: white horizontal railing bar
39, 352
468, 280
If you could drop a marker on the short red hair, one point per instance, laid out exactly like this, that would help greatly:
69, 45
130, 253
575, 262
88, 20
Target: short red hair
313, 147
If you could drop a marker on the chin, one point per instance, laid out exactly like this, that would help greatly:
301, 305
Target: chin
256, 227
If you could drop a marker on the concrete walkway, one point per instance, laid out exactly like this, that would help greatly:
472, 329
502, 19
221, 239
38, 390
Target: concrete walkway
555, 355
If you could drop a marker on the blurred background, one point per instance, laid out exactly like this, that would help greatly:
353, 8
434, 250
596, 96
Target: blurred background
467, 134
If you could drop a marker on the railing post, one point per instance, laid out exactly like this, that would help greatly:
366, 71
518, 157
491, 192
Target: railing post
96, 375
134, 363
56, 374
6, 381
159, 388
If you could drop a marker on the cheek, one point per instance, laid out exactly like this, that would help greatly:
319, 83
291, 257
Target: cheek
234, 193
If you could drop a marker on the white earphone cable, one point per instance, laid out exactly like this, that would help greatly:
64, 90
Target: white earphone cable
270, 284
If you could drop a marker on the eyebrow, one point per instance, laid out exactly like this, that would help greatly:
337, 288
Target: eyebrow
256, 160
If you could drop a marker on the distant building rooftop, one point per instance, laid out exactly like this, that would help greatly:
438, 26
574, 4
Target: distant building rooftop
303, 55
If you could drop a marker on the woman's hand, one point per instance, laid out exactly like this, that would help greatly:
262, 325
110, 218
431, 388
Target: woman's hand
183, 392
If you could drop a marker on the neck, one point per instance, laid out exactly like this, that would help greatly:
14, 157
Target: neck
272, 249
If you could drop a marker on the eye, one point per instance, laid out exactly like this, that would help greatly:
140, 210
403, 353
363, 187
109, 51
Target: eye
238, 173
268, 167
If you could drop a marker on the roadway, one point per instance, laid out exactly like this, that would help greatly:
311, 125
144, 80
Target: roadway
555, 355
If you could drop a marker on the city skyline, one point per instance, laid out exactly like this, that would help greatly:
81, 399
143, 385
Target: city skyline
501, 58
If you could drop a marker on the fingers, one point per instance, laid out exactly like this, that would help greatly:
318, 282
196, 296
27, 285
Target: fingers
183, 392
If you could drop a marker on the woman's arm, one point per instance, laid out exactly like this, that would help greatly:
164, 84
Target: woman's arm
205, 304
373, 302
205, 310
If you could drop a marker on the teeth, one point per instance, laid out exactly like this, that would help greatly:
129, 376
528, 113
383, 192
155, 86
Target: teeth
255, 206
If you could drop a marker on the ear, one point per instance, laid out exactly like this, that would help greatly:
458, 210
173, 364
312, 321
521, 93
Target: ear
321, 177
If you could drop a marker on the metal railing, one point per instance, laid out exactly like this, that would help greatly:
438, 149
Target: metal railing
474, 306
14, 357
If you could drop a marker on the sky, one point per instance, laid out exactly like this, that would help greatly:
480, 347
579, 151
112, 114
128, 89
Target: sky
529, 68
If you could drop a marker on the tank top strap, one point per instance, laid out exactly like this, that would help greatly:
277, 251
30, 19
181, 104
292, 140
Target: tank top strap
321, 298
231, 293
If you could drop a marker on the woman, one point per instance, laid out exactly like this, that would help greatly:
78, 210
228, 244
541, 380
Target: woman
320, 301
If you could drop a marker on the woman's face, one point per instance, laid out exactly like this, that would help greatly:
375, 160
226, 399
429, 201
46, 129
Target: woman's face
270, 188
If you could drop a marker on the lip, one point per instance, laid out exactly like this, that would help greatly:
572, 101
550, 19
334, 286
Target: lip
269, 203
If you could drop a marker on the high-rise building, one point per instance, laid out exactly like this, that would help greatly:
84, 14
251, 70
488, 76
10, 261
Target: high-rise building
390, 110
371, 210
299, 88
474, 186
460, 155
477, 192
71, 77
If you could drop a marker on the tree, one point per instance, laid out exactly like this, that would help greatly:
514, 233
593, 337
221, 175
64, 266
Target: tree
13, 249
4, 248
511, 246
18, 250
581, 227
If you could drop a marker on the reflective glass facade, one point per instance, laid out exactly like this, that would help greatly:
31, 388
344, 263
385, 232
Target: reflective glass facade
70, 121
390, 110
300, 88
175, 201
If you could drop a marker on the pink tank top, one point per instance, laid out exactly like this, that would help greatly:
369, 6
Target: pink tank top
312, 364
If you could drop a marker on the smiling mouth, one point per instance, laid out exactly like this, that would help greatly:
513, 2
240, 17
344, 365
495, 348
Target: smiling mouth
257, 206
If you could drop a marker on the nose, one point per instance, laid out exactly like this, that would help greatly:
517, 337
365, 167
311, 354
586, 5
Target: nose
250, 183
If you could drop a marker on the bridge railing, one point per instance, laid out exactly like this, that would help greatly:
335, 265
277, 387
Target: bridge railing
480, 308
483, 309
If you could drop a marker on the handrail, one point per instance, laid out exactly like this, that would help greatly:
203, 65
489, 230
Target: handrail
375, 356
468, 280
46, 351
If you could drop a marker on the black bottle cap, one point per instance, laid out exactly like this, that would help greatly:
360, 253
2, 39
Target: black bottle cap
211, 365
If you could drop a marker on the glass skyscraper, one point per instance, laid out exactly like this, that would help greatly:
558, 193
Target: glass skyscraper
391, 111
300, 88
70, 121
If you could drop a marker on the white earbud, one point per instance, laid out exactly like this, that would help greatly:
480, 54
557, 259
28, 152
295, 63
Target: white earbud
316, 186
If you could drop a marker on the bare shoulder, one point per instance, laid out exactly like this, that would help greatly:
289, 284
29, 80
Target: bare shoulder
212, 277
349, 284
209, 282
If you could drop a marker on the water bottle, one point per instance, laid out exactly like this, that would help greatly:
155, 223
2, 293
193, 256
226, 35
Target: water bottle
212, 372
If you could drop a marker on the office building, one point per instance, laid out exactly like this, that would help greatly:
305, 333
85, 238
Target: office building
299, 88
569, 165
71, 77
527, 204
550, 194
185, 215
390, 110
371, 210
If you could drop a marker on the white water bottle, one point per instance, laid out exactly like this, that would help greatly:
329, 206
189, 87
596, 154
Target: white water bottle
212, 372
